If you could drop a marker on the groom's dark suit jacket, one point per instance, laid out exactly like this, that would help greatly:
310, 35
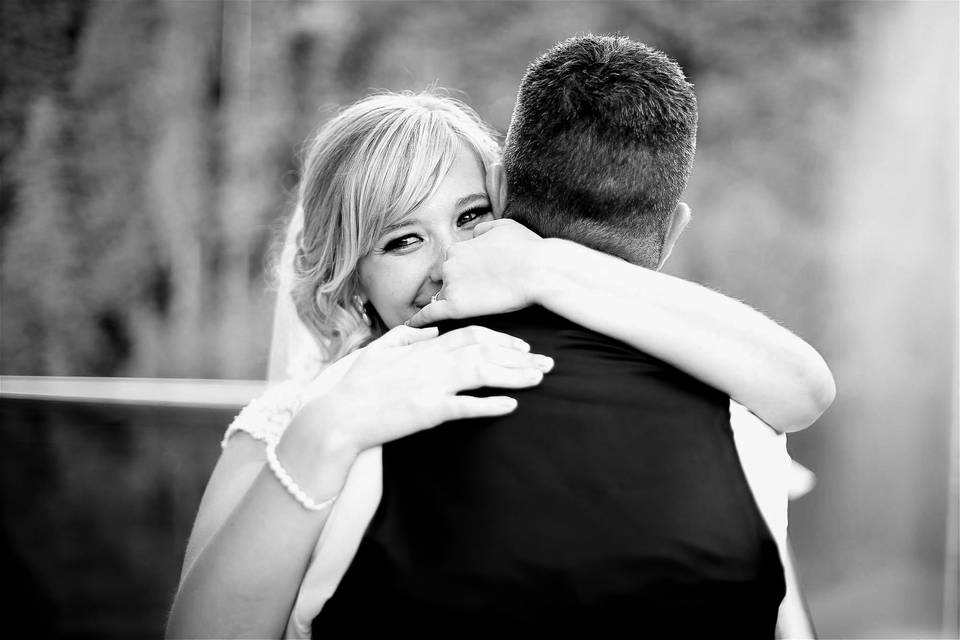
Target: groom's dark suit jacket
613, 495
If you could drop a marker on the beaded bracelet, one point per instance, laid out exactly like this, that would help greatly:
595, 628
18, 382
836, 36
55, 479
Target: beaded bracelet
274, 463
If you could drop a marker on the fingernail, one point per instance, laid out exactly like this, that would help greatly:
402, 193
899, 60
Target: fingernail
534, 374
544, 363
521, 345
508, 403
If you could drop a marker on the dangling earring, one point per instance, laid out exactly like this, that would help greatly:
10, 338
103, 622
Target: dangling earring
362, 310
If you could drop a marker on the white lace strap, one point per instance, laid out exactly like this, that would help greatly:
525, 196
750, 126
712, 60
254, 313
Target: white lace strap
266, 418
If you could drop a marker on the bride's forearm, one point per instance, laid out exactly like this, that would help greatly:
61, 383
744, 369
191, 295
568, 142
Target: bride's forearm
245, 580
712, 337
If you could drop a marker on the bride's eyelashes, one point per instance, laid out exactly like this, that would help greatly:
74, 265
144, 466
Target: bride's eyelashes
474, 214
397, 245
467, 218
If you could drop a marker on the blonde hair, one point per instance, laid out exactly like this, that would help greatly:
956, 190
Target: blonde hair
367, 168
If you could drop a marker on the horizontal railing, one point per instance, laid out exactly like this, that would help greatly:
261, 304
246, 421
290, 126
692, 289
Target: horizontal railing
153, 391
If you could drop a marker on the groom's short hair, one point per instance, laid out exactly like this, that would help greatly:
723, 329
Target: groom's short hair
600, 145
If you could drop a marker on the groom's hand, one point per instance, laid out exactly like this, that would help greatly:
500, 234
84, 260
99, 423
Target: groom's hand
495, 272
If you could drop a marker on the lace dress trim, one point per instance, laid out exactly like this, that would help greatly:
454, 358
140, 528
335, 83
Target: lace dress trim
266, 417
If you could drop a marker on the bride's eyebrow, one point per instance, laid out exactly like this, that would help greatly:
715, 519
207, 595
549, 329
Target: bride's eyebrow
400, 224
473, 199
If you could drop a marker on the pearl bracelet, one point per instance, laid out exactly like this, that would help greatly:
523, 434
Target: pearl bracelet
274, 463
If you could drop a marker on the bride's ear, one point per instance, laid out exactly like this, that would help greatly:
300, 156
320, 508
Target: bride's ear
496, 184
679, 218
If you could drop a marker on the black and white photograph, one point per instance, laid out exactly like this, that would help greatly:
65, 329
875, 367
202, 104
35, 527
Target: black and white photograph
480, 319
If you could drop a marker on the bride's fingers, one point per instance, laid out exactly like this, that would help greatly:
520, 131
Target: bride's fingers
502, 356
478, 335
487, 374
402, 335
462, 407
431, 314
483, 227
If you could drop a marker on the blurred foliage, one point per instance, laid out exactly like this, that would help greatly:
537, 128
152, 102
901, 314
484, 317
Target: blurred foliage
149, 150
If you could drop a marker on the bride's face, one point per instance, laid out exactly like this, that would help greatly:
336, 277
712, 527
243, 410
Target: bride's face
403, 271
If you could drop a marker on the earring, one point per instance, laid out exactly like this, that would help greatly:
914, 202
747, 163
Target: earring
362, 310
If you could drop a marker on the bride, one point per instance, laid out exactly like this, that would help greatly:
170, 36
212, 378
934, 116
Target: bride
388, 185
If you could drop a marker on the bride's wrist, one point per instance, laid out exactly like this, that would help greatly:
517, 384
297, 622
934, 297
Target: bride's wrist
316, 451
547, 273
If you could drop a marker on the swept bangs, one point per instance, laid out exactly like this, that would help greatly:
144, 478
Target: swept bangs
399, 166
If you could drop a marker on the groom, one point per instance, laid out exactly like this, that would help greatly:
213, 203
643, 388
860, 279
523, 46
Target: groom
613, 497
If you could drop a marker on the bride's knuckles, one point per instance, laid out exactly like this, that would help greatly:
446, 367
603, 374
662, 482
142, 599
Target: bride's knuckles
403, 335
504, 356
481, 335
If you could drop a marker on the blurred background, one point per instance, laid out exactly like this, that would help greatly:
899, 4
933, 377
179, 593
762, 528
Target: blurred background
149, 154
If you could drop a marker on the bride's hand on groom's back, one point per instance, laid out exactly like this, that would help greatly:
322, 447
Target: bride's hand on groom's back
408, 380
494, 272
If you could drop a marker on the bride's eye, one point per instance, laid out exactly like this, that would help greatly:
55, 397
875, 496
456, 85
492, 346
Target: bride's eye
401, 243
473, 215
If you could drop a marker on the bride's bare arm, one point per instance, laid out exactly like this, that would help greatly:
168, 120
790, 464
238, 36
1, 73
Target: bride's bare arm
239, 465
243, 580
712, 337
252, 541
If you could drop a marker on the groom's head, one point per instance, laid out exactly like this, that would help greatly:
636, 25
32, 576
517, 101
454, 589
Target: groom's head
600, 146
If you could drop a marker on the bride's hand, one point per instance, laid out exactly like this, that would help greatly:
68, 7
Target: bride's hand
408, 380
491, 273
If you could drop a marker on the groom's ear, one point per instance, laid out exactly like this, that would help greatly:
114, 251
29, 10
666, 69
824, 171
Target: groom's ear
679, 218
497, 189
